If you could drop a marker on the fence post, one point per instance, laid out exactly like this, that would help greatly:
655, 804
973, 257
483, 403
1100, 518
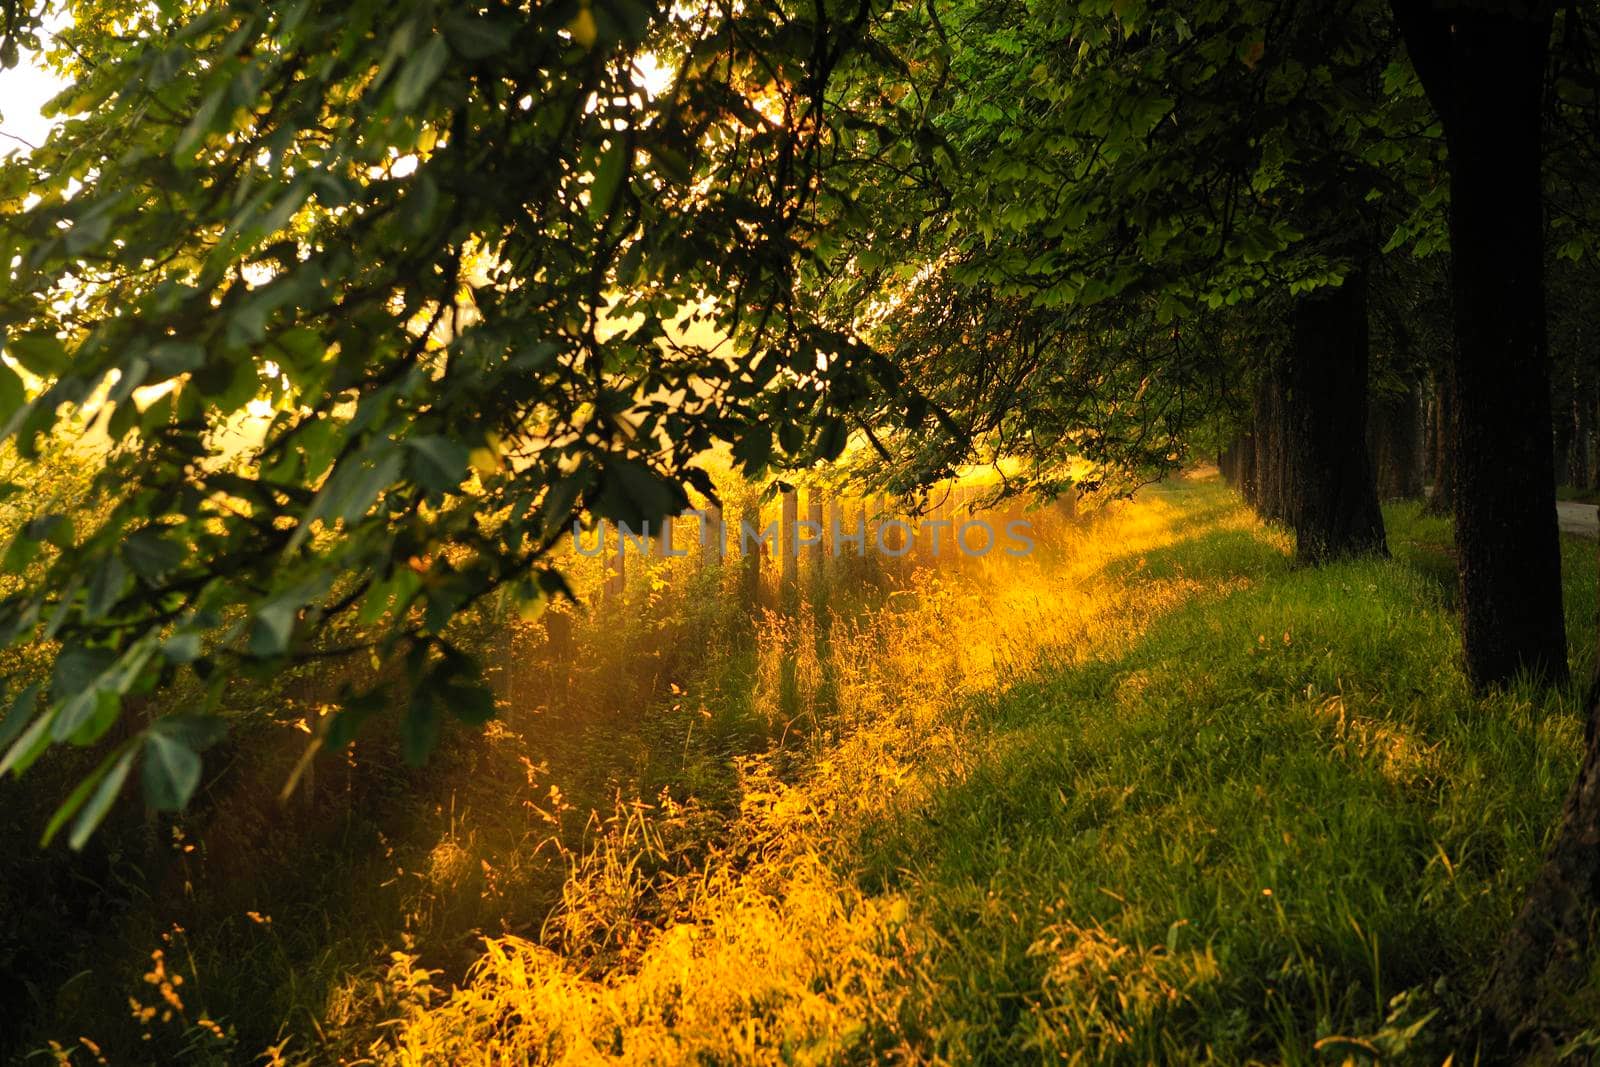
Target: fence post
750, 568
816, 514
616, 571
958, 515
713, 538
786, 539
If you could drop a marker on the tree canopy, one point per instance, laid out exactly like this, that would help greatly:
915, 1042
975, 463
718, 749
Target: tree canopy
453, 259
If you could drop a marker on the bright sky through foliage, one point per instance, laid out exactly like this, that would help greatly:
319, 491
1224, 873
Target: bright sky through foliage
24, 89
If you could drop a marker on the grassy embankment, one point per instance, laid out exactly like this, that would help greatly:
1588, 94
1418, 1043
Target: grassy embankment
1149, 794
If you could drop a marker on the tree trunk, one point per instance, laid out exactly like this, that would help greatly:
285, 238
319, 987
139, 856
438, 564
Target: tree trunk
1544, 953
1594, 406
1483, 68
1330, 498
1395, 444
1247, 467
1271, 456
1430, 432
1443, 500
1593, 397
1582, 426
1562, 403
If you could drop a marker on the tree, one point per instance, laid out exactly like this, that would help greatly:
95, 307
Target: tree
1549, 944
1483, 66
451, 254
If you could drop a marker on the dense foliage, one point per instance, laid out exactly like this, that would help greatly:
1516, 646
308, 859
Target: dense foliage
466, 274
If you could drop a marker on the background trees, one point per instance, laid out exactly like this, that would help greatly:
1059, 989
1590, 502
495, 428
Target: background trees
1121, 194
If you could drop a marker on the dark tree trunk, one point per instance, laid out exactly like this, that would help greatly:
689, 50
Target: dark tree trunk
1394, 436
1594, 405
1483, 68
1546, 949
1244, 467
1443, 500
1330, 498
1271, 456
1228, 464
1562, 403
1430, 432
1582, 424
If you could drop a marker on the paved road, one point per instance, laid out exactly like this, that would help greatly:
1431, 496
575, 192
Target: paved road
1576, 518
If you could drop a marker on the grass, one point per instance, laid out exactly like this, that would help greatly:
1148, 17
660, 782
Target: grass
1149, 794
1578, 493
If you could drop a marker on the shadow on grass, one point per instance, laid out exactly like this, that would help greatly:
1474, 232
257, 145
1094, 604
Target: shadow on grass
1275, 812
1218, 556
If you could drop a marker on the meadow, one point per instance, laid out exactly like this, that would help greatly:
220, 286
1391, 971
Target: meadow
1149, 793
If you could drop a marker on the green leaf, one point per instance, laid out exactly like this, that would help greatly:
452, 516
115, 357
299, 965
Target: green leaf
22, 551
171, 770
419, 73
419, 729
632, 493
89, 683
831, 441
360, 485
104, 782
475, 36
94, 813
168, 359
790, 437
354, 709
12, 395
194, 731
151, 555
560, 498
27, 748
106, 587
607, 179
41, 354
79, 794
457, 683
183, 647
437, 463
471, 702
754, 450
21, 712
200, 124
276, 617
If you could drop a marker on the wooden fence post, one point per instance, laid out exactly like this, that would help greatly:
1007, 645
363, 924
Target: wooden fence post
816, 514
786, 539
750, 568
616, 571
713, 538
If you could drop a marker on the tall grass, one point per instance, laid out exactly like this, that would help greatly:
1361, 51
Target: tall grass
1153, 795
1147, 794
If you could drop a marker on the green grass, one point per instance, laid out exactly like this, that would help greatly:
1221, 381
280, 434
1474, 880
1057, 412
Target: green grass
1281, 808
1151, 795
1579, 493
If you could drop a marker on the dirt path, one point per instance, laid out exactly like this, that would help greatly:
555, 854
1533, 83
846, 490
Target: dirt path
1576, 518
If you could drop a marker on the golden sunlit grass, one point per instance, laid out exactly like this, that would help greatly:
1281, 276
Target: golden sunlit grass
1148, 794
967, 944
